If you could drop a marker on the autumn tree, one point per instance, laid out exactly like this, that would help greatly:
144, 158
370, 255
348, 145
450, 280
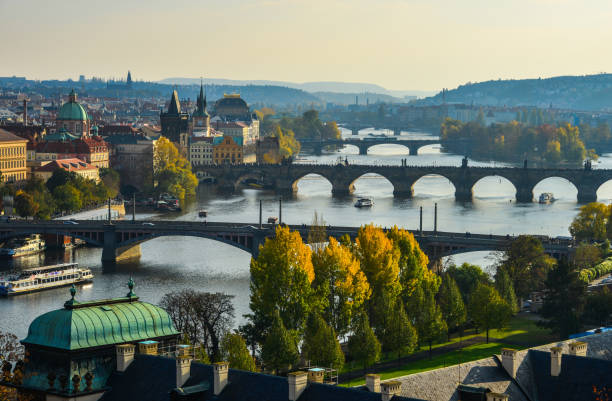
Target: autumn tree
25, 204
451, 304
488, 309
281, 278
234, 350
363, 345
527, 265
321, 346
172, 171
591, 221
586, 255
340, 284
67, 197
379, 260
279, 351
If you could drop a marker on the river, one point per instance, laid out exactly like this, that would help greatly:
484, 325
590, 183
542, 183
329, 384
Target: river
174, 263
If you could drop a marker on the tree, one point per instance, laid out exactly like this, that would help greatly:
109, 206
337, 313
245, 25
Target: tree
279, 351
451, 304
468, 277
172, 171
363, 345
564, 300
590, 223
25, 204
280, 281
598, 309
586, 255
340, 284
526, 264
204, 317
111, 180
427, 317
504, 286
380, 263
321, 345
234, 351
317, 235
398, 333
68, 198
488, 309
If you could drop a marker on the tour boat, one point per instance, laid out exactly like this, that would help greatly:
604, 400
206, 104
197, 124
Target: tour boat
203, 213
547, 197
364, 202
44, 278
23, 246
272, 220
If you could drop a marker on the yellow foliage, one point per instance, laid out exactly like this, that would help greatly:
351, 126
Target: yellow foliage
379, 258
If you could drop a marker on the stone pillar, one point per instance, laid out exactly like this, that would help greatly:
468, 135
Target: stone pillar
109, 251
342, 188
463, 192
354, 131
363, 149
524, 193
401, 190
412, 150
555, 361
587, 194
373, 383
397, 132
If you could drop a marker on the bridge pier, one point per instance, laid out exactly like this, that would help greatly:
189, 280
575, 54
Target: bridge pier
318, 150
524, 194
463, 192
412, 151
363, 149
111, 253
587, 194
354, 131
397, 132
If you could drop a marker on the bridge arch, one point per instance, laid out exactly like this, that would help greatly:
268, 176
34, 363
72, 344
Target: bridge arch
245, 243
428, 146
604, 190
372, 181
22, 233
436, 185
494, 186
251, 175
558, 186
406, 149
309, 180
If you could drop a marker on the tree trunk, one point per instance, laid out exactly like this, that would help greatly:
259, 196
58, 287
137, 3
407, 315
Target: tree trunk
430, 350
487, 335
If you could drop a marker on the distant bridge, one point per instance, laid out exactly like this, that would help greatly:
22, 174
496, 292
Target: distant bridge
284, 178
121, 239
413, 145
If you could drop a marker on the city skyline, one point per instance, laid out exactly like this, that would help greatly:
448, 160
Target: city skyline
400, 45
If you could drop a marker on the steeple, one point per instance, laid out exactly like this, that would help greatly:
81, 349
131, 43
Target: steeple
72, 97
201, 103
175, 105
129, 78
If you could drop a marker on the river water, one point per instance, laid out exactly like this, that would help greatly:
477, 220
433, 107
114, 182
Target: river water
174, 263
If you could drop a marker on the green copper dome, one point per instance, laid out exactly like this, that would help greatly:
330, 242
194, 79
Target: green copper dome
72, 110
100, 323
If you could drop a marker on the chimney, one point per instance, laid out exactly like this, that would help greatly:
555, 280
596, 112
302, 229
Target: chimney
373, 383
148, 347
497, 397
297, 384
390, 389
578, 348
125, 356
509, 361
555, 360
183, 369
315, 375
220, 376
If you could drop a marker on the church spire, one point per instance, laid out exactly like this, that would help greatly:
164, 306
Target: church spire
201, 103
175, 105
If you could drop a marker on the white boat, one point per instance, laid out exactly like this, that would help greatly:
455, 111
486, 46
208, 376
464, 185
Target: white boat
44, 278
364, 202
546, 198
23, 246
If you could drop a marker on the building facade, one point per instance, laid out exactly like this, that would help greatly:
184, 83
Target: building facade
77, 166
227, 150
268, 150
13, 155
132, 157
201, 150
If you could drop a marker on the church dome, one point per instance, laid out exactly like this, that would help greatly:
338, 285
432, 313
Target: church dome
72, 110
231, 106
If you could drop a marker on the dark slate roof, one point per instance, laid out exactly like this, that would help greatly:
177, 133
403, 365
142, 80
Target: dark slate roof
6, 136
579, 375
152, 378
175, 105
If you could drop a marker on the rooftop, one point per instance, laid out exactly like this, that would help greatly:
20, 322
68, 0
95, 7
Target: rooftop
6, 136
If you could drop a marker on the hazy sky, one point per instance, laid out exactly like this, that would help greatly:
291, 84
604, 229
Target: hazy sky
399, 44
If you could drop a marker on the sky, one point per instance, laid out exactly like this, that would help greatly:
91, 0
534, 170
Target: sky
398, 44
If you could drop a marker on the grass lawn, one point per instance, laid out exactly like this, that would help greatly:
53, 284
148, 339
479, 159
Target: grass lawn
467, 354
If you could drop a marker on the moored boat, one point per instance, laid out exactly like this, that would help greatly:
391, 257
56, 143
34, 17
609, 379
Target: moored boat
203, 213
23, 246
364, 202
44, 278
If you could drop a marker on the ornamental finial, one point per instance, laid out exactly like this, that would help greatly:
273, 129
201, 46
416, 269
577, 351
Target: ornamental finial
131, 287
73, 292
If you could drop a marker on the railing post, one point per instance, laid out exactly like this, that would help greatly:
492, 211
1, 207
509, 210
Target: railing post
260, 213
280, 211
435, 218
421, 221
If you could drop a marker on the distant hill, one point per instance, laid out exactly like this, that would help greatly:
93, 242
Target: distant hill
363, 98
331, 86
589, 92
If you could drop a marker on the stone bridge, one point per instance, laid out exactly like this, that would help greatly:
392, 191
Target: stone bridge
413, 145
284, 178
121, 239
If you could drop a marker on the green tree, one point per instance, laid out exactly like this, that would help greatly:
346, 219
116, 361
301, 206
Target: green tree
68, 198
234, 350
598, 310
527, 265
111, 181
321, 345
398, 334
339, 283
25, 204
488, 309
564, 300
279, 351
363, 345
586, 255
504, 286
451, 304
427, 317
281, 279
468, 277
590, 223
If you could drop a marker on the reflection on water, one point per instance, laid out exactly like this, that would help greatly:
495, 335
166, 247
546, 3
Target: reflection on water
175, 263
